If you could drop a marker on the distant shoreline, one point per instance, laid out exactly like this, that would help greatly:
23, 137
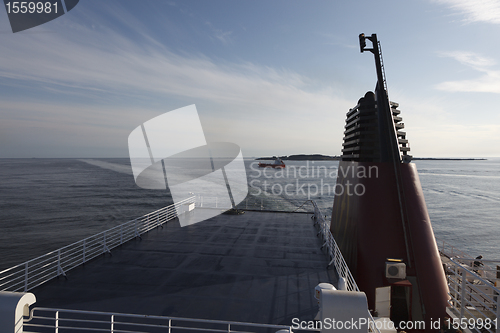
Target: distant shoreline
303, 157
447, 159
319, 157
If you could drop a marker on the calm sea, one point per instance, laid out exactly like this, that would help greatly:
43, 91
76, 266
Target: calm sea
49, 203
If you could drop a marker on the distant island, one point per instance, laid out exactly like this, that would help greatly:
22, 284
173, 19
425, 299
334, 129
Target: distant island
304, 157
319, 157
447, 159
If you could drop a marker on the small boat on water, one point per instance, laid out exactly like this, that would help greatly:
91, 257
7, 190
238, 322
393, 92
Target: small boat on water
278, 163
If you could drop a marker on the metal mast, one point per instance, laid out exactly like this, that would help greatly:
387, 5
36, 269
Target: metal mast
388, 134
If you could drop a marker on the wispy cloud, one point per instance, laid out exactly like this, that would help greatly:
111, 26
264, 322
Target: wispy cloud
488, 82
117, 65
243, 97
221, 35
476, 10
471, 59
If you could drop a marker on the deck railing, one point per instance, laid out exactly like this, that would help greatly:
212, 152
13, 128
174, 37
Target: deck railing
337, 259
475, 301
42, 319
334, 252
34, 272
450, 250
253, 203
486, 268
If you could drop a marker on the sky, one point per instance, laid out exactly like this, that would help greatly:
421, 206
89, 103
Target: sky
274, 77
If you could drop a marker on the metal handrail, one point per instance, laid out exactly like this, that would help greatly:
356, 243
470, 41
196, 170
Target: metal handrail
249, 203
450, 250
487, 270
42, 318
334, 252
336, 257
34, 272
472, 297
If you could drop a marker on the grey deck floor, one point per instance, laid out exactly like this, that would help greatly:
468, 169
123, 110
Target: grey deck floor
257, 267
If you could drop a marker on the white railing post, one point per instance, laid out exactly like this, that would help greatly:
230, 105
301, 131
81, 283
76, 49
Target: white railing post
57, 322
112, 323
463, 293
170, 326
26, 276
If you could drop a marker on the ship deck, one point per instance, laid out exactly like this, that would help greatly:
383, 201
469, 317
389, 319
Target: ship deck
257, 267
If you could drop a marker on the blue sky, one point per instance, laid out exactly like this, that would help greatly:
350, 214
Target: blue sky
274, 77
